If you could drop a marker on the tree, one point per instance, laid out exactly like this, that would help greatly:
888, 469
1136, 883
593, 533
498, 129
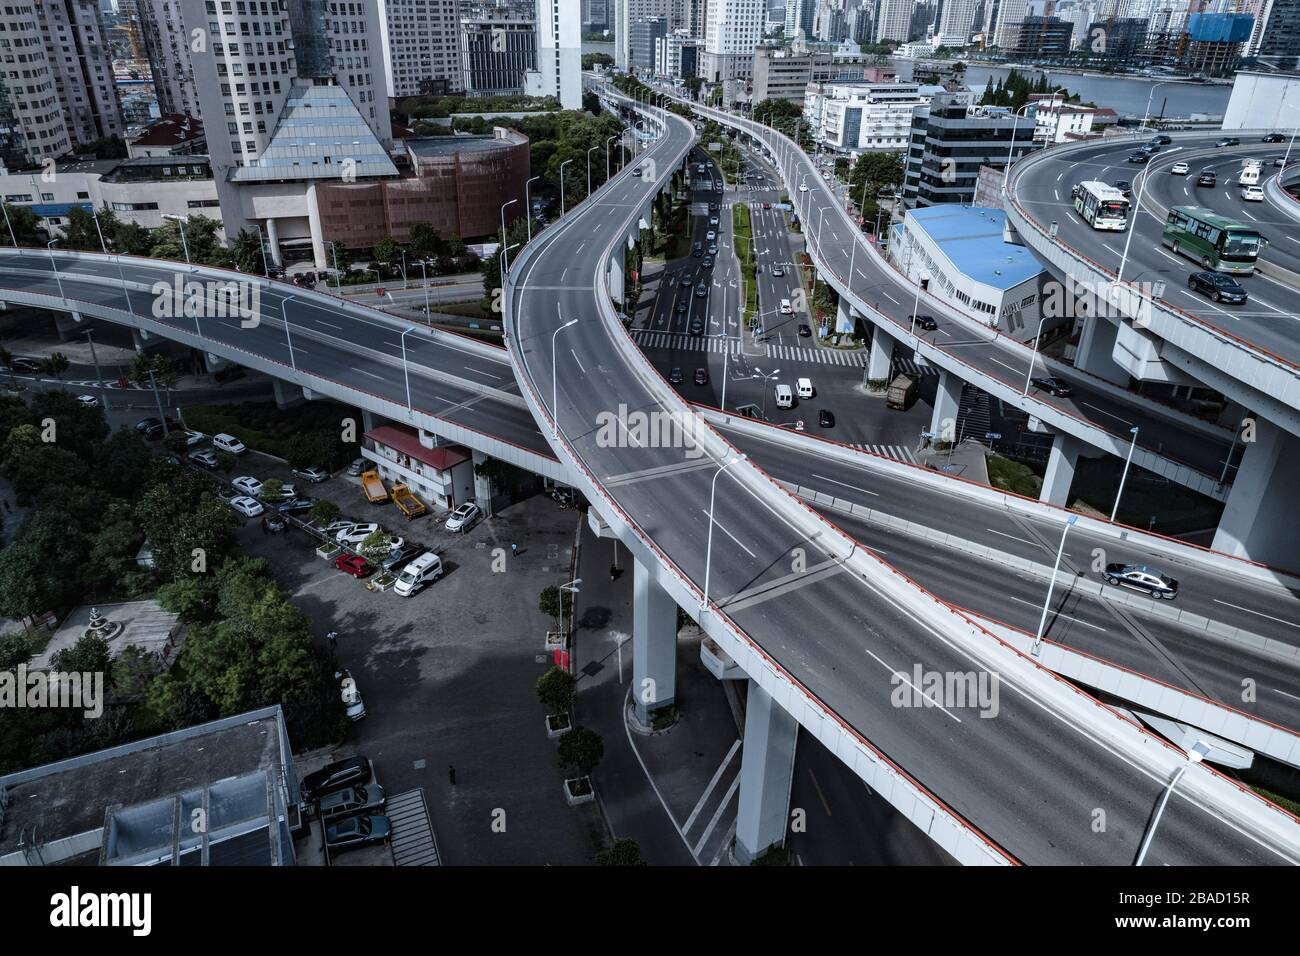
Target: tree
581, 749
376, 546
548, 602
107, 147
200, 239
426, 243
78, 428
555, 689
43, 568
56, 364
24, 224
247, 252
273, 489
82, 232
7, 360
164, 372
317, 447
340, 258
132, 671
387, 251
193, 597
323, 512
621, 852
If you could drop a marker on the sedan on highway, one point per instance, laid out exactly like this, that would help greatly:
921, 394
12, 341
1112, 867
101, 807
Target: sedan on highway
697, 326
778, 271
675, 376
685, 280
1274, 138
1216, 285
1180, 169
87, 401
805, 332
1052, 386
1140, 158
925, 322
708, 262
1228, 141
701, 376
1252, 193
1124, 186
1139, 577
1207, 178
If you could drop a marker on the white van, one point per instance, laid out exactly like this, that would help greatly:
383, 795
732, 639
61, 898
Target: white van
423, 570
785, 307
804, 387
784, 397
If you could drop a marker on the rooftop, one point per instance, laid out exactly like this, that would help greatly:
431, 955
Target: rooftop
145, 624
170, 131
407, 441
436, 146
971, 237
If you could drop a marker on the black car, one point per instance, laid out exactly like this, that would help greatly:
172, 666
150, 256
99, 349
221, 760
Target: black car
1124, 186
1216, 285
350, 801
701, 291
697, 327
675, 376
804, 332
398, 558
1228, 141
1139, 577
708, 262
926, 322
25, 365
1052, 386
296, 506
1207, 178
1160, 139
681, 308
144, 424
685, 280
1274, 138
697, 251
358, 831
1139, 157
826, 418
347, 772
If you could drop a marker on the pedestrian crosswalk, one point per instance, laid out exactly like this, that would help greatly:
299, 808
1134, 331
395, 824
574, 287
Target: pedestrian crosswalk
677, 341
897, 452
907, 366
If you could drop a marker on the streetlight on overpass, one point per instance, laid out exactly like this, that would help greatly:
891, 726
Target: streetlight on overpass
766, 378
708, 550
555, 382
528, 201
1051, 585
5, 207
505, 254
1124, 474
1034, 355
55, 266
288, 338
608, 144
1147, 112
1195, 755
562, 165
117, 258
406, 372
185, 245
589, 152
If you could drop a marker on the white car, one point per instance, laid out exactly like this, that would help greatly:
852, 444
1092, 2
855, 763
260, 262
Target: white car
1180, 169
463, 518
711, 236
248, 485
87, 401
223, 442
803, 188
338, 525
1252, 193
353, 705
193, 438
357, 533
314, 475
246, 506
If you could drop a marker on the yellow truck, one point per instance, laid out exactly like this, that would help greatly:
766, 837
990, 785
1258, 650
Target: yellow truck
373, 486
405, 499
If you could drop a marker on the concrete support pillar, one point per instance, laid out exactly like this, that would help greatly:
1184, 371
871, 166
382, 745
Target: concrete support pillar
273, 242
654, 646
140, 340
947, 400
1097, 348
766, 773
616, 276
213, 363
1060, 471
367, 420
843, 317
882, 354
287, 394
68, 325
1260, 520
482, 485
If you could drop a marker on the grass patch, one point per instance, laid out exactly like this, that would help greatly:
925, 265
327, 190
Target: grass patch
1013, 476
267, 428
743, 231
1290, 806
470, 310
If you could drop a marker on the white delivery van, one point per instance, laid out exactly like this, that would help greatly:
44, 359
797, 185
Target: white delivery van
784, 397
423, 570
785, 307
804, 387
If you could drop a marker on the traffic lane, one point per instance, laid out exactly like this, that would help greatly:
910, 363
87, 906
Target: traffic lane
1202, 664
1272, 611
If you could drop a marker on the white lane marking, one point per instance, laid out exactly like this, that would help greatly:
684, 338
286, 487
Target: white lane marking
476, 371
903, 677
1103, 411
846, 485
364, 372
578, 360
1013, 537
329, 324
1285, 694
717, 775
723, 529
1260, 613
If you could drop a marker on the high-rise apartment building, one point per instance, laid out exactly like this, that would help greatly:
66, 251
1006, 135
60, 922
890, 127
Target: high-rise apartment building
498, 47
559, 53
167, 45
894, 21
956, 22
733, 29
82, 66
799, 15
421, 47
32, 126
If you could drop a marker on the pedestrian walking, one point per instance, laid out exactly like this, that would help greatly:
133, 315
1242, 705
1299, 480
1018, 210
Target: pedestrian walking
451, 774
333, 638
514, 548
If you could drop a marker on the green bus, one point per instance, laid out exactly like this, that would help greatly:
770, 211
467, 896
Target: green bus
1216, 242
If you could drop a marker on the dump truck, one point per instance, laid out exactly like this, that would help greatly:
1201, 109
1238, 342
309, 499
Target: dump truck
902, 393
373, 486
405, 500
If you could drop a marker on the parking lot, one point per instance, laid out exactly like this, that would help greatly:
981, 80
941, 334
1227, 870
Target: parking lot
448, 675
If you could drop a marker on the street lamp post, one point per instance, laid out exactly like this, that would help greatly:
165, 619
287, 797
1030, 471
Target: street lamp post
12, 238
288, 338
94, 357
608, 152
55, 266
1012, 145
185, 244
1124, 474
766, 378
118, 259
505, 258
1033, 355
424, 275
528, 201
1147, 113
1051, 584
562, 165
708, 550
406, 371
570, 588
261, 243
555, 382
1195, 755
589, 152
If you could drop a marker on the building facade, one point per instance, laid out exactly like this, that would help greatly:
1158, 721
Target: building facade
167, 44
857, 117
498, 46
421, 47
559, 53
82, 65
733, 28
440, 475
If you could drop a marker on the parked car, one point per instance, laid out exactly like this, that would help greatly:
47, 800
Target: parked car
87, 401
400, 556
288, 491
347, 772
248, 485
25, 365
206, 458
144, 424
353, 704
1052, 386
464, 517
357, 467
1252, 193
355, 565
1207, 178
1228, 141
313, 474
297, 506
675, 376
371, 828
228, 443
701, 376
1139, 577
1180, 169
363, 798
274, 522
826, 418
357, 533
420, 572
193, 438
1216, 285
246, 506
339, 524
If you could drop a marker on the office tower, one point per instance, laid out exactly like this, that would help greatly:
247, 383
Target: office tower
799, 15
894, 21
732, 29
498, 46
82, 68
956, 22
559, 53
167, 45
644, 37
421, 47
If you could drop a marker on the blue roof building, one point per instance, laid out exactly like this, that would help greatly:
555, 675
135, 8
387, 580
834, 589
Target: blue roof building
960, 254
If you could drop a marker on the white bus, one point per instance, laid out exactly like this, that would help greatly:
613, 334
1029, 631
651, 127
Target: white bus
1101, 205
1251, 171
